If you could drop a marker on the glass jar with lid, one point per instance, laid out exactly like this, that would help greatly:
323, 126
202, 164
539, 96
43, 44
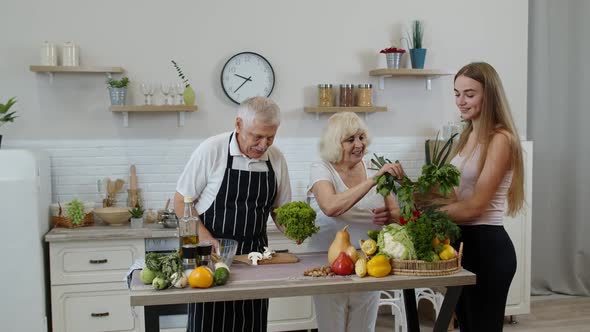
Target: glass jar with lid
364, 95
346, 95
325, 96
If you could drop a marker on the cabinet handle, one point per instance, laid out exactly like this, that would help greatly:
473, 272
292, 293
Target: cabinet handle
98, 261
99, 314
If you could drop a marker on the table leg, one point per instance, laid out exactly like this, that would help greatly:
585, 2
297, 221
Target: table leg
447, 309
411, 310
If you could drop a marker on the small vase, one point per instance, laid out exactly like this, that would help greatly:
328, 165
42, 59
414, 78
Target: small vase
137, 222
393, 60
118, 95
189, 96
418, 56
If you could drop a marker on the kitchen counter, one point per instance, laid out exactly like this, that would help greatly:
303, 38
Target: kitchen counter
284, 280
106, 232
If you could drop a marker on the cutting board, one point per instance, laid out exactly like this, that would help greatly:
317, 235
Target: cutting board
278, 258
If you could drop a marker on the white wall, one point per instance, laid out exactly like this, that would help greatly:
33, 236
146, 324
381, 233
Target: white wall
307, 42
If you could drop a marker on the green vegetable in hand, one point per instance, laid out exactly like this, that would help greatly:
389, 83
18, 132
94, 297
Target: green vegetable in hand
298, 219
386, 181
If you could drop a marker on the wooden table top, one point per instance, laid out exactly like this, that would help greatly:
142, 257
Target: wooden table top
285, 280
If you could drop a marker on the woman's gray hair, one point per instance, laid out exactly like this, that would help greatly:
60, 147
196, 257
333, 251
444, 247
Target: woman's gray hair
339, 127
260, 108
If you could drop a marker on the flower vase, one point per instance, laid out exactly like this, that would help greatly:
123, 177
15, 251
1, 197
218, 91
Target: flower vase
393, 60
189, 96
418, 56
118, 96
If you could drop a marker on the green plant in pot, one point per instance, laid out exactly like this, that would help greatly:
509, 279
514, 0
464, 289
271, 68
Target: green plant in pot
189, 94
417, 52
136, 217
5, 114
118, 90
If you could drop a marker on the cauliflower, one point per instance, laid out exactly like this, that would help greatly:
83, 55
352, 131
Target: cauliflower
394, 242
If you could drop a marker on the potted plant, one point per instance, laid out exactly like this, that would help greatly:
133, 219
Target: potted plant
118, 90
393, 56
5, 115
417, 52
136, 217
189, 94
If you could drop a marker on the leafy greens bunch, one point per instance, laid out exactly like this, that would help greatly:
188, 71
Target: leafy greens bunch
298, 219
429, 225
435, 173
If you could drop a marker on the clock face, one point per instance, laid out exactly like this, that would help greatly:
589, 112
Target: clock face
247, 75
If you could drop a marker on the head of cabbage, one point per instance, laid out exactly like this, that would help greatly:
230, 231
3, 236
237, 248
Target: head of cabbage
395, 242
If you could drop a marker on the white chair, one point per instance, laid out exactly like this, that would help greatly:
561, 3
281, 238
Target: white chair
395, 300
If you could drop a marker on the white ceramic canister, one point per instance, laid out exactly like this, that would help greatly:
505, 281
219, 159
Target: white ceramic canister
48, 54
70, 54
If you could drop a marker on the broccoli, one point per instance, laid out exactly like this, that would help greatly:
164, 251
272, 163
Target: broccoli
298, 219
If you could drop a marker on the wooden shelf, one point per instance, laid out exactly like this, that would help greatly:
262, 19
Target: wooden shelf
335, 109
180, 109
75, 69
409, 72
428, 74
154, 108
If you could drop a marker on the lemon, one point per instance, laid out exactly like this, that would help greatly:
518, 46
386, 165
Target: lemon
201, 277
369, 247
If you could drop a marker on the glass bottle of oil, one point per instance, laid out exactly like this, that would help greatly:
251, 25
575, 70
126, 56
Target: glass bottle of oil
187, 234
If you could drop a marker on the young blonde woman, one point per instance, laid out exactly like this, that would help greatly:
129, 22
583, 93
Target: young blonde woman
342, 192
489, 156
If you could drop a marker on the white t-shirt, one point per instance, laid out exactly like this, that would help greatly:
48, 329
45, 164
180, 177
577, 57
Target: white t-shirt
203, 174
359, 217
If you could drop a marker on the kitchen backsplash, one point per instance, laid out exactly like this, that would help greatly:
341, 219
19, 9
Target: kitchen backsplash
77, 165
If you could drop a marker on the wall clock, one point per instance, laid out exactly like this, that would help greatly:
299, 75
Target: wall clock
246, 75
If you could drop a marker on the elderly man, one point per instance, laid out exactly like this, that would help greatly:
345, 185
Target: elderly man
238, 179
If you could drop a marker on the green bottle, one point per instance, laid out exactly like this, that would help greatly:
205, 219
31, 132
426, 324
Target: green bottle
189, 96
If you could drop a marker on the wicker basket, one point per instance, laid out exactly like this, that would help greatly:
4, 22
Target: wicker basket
423, 268
62, 221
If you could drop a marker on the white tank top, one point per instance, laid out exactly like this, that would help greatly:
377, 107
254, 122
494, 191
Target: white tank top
469, 167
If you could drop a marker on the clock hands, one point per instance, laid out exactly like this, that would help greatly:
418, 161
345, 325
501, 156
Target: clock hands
245, 80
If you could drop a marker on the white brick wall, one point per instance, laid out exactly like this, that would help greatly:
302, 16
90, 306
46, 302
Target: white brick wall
77, 165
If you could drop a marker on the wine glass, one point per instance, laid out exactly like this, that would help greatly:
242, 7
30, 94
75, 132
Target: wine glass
165, 87
148, 90
179, 87
172, 94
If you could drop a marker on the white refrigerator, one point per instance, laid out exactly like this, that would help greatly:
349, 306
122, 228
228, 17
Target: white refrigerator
25, 196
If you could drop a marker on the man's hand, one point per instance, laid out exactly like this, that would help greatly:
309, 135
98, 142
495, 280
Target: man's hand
205, 236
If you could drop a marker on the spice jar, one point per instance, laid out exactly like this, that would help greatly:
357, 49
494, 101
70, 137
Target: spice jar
346, 95
364, 95
325, 98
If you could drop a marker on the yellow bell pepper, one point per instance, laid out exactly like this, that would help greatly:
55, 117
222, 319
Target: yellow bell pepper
447, 252
378, 266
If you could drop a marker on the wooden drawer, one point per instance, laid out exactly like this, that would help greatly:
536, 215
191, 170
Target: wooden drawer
100, 307
93, 261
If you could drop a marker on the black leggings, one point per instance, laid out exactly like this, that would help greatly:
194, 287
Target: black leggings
488, 252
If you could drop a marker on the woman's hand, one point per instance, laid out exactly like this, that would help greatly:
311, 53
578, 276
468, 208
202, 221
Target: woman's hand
382, 216
394, 169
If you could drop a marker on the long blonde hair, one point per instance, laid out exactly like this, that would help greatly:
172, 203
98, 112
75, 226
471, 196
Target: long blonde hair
495, 117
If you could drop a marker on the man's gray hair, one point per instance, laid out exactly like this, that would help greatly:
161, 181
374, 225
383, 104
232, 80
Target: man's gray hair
260, 108
339, 127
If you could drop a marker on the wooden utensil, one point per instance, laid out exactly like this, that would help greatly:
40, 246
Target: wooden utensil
278, 258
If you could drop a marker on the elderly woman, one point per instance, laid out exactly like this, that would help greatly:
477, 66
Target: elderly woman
341, 192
